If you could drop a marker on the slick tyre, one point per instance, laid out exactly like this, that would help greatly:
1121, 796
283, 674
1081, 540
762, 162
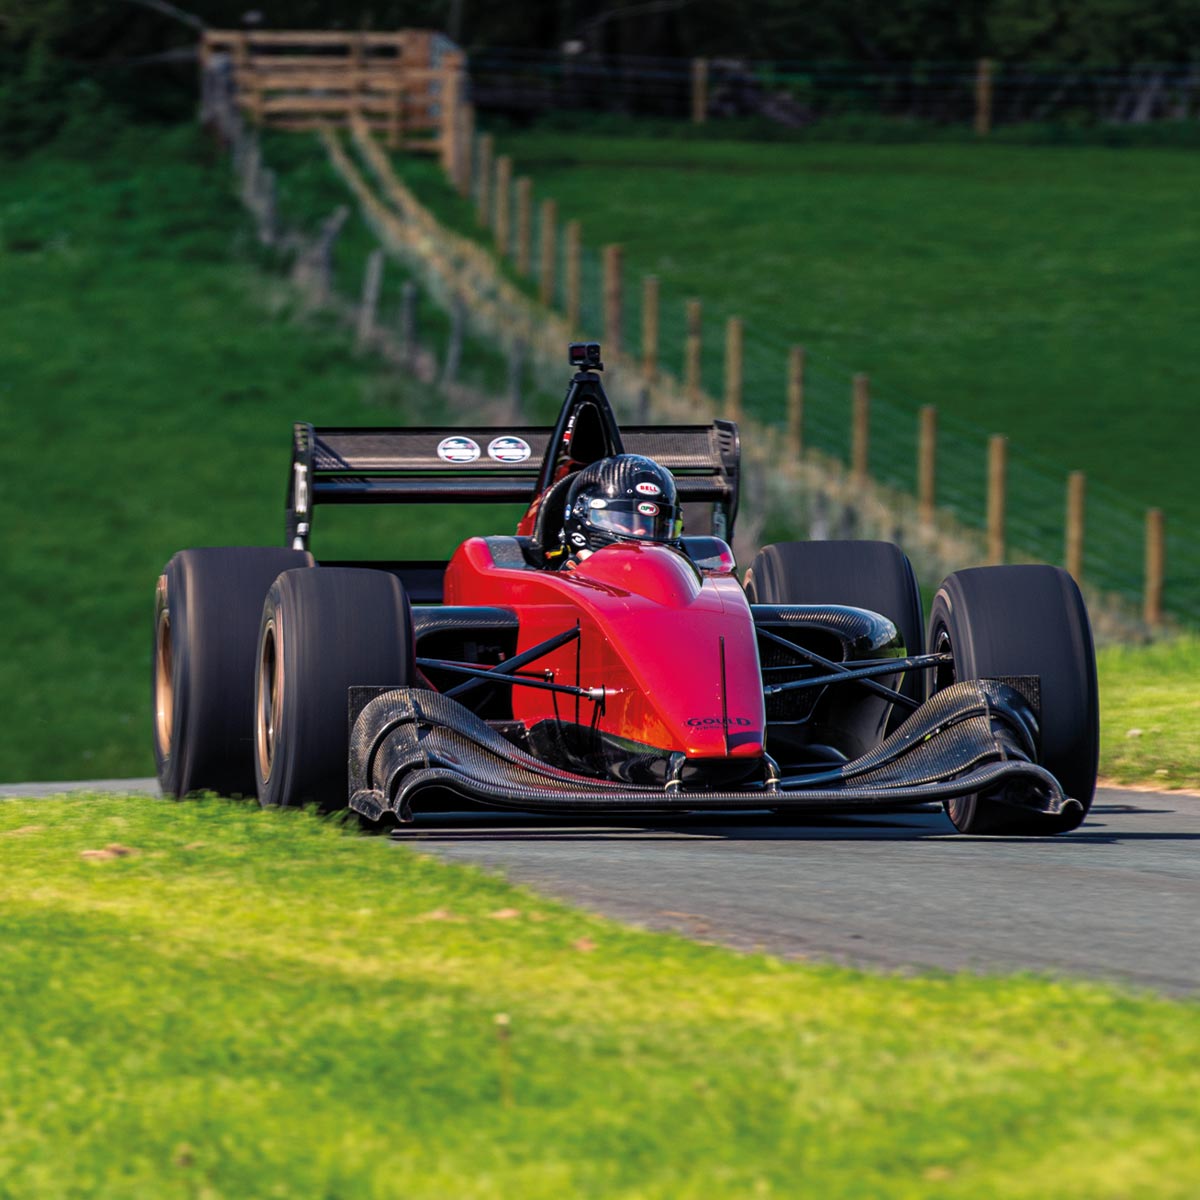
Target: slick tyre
872, 575
322, 632
207, 608
1025, 620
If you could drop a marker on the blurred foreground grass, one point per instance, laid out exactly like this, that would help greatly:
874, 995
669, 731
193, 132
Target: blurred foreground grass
207, 999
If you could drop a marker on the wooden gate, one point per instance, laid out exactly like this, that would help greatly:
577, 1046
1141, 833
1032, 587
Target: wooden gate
407, 85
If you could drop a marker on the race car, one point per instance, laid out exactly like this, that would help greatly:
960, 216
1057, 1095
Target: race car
605, 658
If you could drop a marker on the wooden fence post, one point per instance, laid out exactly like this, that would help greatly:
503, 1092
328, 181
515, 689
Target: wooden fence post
395, 119
650, 328
483, 202
1156, 559
451, 101
997, 496
266, 211
795, 402
249, 166
503, 204
369, 305
983, 97
246, 85
524, 225
458, 320
642, 404
699, 91
314, 267
516, 375
408, 321
548, 245
1076, 496
733, 369
860, 430
466, 150
358, 56
927, 463
612, 301
574, 253
691, 353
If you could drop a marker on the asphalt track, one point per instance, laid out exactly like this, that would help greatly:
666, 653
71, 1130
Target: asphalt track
1118, 899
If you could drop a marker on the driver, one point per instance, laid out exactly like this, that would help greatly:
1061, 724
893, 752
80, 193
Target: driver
623, 498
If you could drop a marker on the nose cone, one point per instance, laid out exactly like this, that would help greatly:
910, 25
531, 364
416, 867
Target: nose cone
690, 646
718, 710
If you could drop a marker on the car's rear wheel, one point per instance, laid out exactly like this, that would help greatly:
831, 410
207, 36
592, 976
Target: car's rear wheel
207, 607
871, 575
322, 632
1025, 621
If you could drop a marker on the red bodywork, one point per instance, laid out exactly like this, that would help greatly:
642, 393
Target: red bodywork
651, 629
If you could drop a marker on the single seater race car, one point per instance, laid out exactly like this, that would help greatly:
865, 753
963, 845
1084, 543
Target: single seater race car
603, 659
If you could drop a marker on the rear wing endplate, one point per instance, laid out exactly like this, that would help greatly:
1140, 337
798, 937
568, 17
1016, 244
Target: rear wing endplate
480, 464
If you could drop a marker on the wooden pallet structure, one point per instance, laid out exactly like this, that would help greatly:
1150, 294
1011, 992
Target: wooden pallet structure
408, 85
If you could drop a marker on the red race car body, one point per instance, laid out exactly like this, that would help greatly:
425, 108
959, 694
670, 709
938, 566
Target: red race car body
640, 676
673, 648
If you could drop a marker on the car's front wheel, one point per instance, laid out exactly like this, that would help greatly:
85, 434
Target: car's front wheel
1014, 621
206, 611
322, 632
864, 574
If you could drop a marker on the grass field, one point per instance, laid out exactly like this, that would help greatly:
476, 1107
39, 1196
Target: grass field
1044, 293
1150, 713
149, 373
211, 1000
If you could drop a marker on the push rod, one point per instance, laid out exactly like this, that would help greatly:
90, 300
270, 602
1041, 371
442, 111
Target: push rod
517, 661
860, 673
492, 675
839, 671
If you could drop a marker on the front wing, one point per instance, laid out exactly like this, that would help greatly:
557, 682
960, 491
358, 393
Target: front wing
980, 735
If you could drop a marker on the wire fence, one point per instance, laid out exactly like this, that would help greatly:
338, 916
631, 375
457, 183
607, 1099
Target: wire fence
489, 320
1035, 508
797, 93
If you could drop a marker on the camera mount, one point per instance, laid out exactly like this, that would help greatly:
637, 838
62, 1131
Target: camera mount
585, 355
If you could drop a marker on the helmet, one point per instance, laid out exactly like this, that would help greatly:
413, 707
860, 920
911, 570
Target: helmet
626, 497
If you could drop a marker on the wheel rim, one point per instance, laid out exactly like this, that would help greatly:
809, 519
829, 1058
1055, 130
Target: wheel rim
164, 696
270, 681
944, 674
958, 808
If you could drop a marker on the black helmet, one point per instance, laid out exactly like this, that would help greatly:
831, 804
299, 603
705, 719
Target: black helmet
619, 498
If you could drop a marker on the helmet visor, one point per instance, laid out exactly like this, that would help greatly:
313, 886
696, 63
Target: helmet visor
647, 519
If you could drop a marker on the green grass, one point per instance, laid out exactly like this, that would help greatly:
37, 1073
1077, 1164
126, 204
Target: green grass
149, 375
1150, 713
1042, 292
1045, 293
256, 1004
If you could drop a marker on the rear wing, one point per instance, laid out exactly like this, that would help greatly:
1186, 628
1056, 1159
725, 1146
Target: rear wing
481, 464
